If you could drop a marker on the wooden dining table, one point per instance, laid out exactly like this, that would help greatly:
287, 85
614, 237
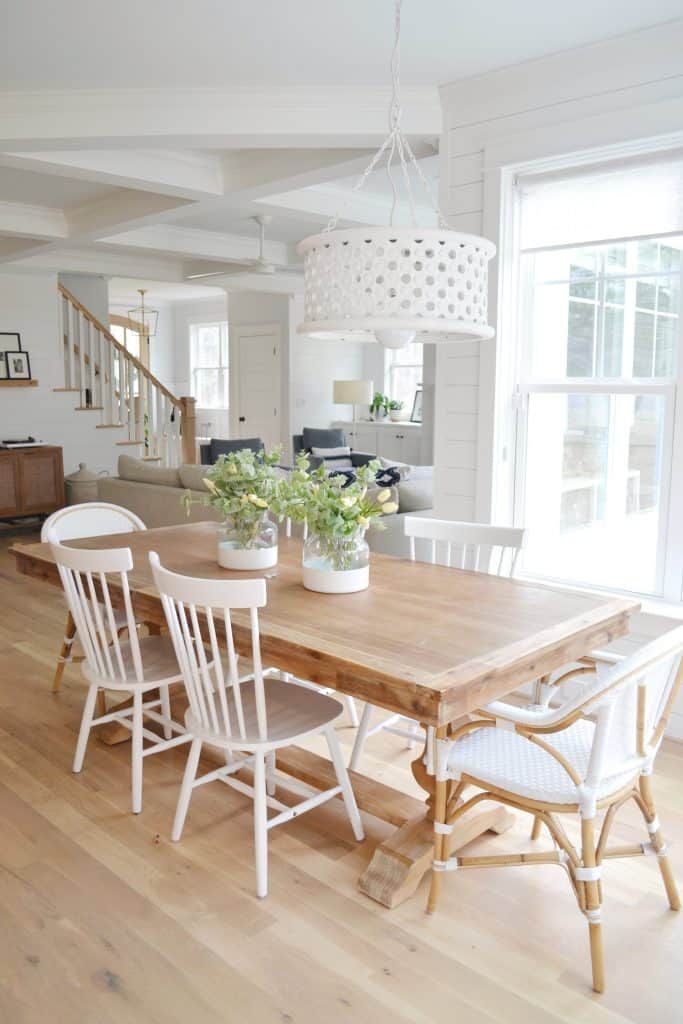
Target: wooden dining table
430, 642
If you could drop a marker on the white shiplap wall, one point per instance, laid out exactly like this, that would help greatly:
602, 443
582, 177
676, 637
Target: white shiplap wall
621, 89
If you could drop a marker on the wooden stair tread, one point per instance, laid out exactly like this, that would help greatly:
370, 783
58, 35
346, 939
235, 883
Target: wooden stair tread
88, 408
76, 390
120, 443
109, 426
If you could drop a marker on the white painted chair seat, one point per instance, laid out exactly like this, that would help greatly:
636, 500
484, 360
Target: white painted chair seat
293, 711
508, 761
158, 657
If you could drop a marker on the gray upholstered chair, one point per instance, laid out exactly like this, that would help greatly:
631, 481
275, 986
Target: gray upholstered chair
325, 437
209, 452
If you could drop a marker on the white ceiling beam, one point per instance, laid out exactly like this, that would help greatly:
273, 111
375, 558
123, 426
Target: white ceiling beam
12, 248
240, 117
37, 222
99, 260
257, 172
352, 208
197, 244
187, 175
117, 212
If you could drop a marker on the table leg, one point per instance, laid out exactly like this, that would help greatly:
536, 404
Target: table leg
400, 862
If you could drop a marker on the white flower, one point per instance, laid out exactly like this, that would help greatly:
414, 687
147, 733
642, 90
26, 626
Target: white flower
348, 501
383, 496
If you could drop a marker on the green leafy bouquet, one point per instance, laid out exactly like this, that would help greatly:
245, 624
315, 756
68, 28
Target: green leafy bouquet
242, 486
337, 515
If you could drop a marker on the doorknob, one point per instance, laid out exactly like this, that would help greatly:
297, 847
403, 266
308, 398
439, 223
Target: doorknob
242, 419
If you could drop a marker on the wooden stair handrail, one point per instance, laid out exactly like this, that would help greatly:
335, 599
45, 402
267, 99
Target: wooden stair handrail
177, 402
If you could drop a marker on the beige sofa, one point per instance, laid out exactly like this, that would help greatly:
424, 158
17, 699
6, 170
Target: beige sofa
154, 493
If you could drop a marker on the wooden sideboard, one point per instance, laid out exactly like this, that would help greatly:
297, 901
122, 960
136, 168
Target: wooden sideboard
31, 481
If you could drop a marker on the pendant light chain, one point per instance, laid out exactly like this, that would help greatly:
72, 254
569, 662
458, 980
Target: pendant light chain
395, 144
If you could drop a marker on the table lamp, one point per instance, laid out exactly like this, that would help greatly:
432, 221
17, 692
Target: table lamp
352, 392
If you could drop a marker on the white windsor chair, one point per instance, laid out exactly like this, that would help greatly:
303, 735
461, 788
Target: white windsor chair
91, 519
475, 546
136, 665
248, 717
594, 752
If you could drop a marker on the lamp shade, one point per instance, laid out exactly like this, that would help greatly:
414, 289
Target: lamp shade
352, 392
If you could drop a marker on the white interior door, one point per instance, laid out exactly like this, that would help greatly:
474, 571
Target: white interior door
257, 350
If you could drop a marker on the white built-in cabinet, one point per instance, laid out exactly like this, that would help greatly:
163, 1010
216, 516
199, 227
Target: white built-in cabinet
399, 441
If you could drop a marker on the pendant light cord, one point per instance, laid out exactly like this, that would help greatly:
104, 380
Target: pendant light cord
394, 145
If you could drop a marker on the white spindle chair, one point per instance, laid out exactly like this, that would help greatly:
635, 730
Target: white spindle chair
90, 519
594, 752
136, 665
249, 718
475, 546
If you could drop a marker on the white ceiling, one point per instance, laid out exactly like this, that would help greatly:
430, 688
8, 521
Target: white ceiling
22, 186
168, 43
289, 228
123, 290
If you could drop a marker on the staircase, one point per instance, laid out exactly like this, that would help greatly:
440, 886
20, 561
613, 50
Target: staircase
121, 391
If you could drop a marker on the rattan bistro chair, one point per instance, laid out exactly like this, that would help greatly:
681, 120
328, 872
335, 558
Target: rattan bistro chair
249, 718
594, 752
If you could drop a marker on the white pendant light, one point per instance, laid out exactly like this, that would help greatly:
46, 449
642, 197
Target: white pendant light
396, 284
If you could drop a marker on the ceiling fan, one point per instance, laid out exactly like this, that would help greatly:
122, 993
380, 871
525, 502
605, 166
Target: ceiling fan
259, 265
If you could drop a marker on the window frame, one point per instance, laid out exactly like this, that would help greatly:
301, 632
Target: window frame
223, 363
669, 557
392, 365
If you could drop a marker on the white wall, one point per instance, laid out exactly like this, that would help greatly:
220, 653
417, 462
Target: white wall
28, 304
92, 290
623, 89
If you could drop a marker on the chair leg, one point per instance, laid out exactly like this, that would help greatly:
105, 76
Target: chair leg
260, 826
360, 737
593, 902
186, 789
666, 871
536, 828
345, 783
270, 773
351, 711
440, 804
166, 710
136, 753
86, 725
65, 652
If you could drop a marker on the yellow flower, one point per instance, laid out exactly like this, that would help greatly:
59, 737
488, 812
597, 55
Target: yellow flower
258, 502
363, 521
232, 468
244, 499
389, 507
210, 485
383, 496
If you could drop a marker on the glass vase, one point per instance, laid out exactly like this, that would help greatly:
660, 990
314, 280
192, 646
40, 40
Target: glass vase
336, 565
248, 549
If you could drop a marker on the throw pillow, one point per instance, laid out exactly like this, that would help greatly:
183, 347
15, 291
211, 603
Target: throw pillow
334, 458
192, 477
323, 437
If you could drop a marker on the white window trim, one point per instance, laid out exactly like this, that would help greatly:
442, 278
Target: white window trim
223, 326
510, 401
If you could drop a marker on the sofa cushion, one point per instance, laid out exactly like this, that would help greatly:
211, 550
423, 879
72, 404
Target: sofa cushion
192, 477
147, 472
318, 437
408, 472
334, 458
416, 495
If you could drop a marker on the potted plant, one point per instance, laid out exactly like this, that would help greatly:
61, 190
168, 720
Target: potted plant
378, 406
336, 557
395, 409
243, 486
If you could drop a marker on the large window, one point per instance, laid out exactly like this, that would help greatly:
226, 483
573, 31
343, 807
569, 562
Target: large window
209, 361
598, 370
404, 375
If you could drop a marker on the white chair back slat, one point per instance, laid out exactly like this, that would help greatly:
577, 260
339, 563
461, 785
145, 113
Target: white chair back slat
188, 603
474, 546
98, 633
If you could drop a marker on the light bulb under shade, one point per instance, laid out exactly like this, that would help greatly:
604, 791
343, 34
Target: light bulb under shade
363, 282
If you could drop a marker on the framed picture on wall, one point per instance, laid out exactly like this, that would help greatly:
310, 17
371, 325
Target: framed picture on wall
416, 414
18, 365
9, 341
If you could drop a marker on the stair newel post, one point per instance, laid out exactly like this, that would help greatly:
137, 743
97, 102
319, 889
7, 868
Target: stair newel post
188, 427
